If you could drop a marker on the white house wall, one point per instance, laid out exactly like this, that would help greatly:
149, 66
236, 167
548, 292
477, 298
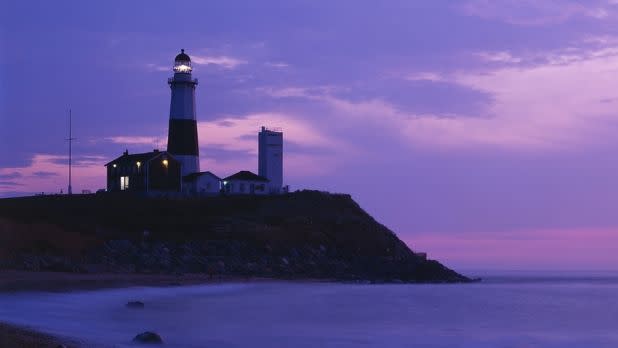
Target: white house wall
208, 184
234, 187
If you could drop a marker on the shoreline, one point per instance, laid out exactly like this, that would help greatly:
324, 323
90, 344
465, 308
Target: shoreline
33, 281
23, 281
12, 281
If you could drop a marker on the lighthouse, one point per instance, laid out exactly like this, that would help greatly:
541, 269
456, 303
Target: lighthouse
177, 170
182, 132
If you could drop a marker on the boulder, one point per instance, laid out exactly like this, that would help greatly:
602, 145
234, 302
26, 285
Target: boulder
148, 338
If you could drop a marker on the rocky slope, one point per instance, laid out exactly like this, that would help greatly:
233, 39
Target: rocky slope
306, 234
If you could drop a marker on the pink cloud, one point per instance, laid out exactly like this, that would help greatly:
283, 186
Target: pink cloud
239, 133
541, 102
88, 174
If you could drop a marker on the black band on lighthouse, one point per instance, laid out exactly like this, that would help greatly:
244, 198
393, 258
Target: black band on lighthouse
182, 137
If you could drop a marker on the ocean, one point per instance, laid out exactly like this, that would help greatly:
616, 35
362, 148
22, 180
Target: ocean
507, 309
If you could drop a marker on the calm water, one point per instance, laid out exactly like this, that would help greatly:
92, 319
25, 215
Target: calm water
514, 310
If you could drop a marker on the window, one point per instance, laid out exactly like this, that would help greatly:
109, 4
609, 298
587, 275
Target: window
124, 183
242, 187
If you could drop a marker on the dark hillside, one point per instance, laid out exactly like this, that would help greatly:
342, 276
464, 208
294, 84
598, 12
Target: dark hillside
306, 234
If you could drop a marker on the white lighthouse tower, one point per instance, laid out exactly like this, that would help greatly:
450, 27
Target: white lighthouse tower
182, 134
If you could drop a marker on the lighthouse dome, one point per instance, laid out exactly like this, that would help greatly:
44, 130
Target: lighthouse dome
182, 63
182, 57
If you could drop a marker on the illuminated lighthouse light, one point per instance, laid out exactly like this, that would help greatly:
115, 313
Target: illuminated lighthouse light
182, 64
183, 68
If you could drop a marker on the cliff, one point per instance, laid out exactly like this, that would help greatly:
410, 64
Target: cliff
306, 234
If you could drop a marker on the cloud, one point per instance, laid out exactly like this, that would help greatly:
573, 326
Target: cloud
138, 140
9, 184
10, 175
306, 92
76, 161
156, 67
44, 174
225, 123
238, 134
225, 62
556, 103
375, 117
47, 173
578, 50
541, 101
537, 102
537, 13
277, 65
425, 76
599, 13
499, 57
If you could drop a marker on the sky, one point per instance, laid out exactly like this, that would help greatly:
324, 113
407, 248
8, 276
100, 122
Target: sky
482, 132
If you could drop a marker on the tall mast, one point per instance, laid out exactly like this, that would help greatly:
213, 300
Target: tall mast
70, 189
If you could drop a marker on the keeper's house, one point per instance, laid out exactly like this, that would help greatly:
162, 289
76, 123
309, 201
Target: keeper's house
202, 183
149, 172
245, 182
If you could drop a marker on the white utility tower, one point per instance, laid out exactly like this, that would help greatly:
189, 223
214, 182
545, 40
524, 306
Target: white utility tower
270, 158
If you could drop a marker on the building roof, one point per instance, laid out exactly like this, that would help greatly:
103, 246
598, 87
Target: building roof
138, 157
182, 57
193, 176
246, 175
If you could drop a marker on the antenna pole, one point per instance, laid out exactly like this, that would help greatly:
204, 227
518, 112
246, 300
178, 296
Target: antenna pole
70, 189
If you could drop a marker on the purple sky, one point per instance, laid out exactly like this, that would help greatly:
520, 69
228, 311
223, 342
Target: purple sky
481, 131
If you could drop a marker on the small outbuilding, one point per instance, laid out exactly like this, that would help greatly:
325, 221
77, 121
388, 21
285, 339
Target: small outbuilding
202, 183
245, 183
150, 172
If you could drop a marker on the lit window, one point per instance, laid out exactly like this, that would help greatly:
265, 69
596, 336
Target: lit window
124, 183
